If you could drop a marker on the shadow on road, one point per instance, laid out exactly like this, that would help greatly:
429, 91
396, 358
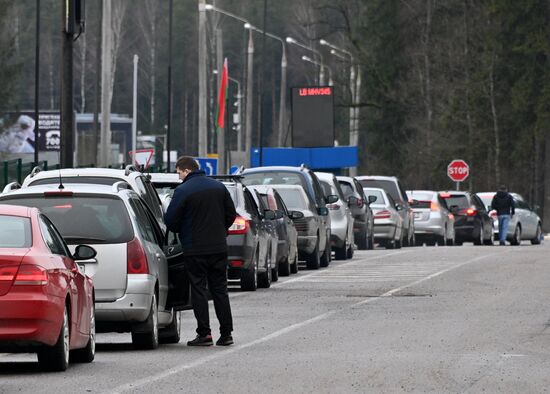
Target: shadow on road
25, 367
115, 347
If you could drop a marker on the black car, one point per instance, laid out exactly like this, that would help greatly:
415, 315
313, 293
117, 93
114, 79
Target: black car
363, 218
249, 240
306, 178
472, 220
287, 245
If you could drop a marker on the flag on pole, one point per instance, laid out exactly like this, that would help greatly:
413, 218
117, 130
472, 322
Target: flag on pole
222, 97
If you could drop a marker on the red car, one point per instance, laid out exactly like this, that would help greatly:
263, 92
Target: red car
46, 303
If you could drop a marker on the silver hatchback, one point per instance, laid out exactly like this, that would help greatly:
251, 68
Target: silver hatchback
433, 222
130, 271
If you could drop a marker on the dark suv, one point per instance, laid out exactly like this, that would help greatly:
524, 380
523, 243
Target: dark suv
363, 219
306, 178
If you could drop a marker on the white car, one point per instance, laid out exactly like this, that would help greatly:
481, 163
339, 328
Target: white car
341, 219
130, 271
524, 225
136, 180
388, 223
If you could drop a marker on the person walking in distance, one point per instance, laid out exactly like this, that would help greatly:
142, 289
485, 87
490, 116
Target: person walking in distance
503, 203
202, 211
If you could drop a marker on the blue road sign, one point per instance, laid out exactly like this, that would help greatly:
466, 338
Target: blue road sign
208, 165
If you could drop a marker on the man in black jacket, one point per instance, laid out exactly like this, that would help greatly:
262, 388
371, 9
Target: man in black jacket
503, 203
201, 211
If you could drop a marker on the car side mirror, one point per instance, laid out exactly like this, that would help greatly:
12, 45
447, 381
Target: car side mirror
331, 199
323, 211
84, 252
296, 215
372, 199
270, 215
279, 214
353, 201
399, 207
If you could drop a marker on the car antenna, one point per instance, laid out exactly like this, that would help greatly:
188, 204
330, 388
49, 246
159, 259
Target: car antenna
60, 187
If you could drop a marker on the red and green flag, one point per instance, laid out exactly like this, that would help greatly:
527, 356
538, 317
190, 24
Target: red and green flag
222, 96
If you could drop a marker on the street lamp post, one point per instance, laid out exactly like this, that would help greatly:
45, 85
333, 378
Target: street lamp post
354, 91
310, 60
282, 96
291, 40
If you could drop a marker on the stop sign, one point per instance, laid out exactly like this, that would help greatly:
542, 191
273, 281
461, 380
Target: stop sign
458, 170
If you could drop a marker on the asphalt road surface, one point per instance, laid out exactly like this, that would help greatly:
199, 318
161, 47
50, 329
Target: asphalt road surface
466, 319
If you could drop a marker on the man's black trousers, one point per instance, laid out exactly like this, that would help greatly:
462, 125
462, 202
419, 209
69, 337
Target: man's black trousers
209, 270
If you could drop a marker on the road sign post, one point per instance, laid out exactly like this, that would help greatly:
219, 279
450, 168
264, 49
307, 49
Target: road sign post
458, 170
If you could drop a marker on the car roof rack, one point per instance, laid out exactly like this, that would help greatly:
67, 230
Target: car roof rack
11, 187
230, 177
129, 169
35, 171
120, 185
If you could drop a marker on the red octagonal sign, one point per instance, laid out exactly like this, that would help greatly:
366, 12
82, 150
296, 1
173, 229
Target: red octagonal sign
458, 170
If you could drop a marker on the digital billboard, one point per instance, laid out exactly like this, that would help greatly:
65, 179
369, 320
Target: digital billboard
17, 132
312, 116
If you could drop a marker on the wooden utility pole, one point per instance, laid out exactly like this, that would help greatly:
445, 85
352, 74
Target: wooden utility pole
106, 94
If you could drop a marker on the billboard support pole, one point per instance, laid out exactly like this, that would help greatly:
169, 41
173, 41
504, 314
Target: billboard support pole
36, 82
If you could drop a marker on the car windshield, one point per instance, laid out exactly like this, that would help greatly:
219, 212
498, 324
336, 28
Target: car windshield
376, 193
293, 199
460, 200
91, 220
15, 232
273, 178
389, 186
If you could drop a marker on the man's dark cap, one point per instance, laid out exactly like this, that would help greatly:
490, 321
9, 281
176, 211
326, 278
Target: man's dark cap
502, 188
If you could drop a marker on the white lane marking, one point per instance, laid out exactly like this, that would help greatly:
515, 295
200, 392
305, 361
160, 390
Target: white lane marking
173, 371
512, 355
303, 278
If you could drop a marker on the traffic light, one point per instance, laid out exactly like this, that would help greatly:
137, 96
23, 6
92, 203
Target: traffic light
75, 16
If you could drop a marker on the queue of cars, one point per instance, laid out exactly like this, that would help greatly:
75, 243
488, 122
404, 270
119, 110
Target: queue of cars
89, 249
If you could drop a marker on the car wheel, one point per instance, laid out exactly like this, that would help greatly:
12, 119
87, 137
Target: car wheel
265, 278
363, 240
325, 257
172, 332
398, 243
294, 267
275, 273
56, 357
249, 277
284, 268
313, 260
87, 354
479, 239
146, 335
538, 236
516, 240
350, 251
340, 253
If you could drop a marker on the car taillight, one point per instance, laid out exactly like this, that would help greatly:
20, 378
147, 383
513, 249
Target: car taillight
7, 273
468, 212
239, 226
383, 215
236, 263
31, 275
333, 207
493, 214
136, 258
434, 206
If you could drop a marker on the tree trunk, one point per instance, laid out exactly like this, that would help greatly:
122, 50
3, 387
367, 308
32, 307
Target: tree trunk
546, 207
469, 124
428, 88
495, 121
83, 74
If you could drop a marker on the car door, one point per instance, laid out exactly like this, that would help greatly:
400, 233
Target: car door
486, 220
72, 272
526, 218
179, 288
261, 235
153, 247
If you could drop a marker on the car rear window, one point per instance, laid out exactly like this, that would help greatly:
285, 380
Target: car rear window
84, 219
460, 200
293, 199
421, 200
15, 232
487, 199
233, 193
389, 186
274, 178
376, 193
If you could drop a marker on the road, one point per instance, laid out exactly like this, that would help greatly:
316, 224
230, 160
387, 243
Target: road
466, 319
